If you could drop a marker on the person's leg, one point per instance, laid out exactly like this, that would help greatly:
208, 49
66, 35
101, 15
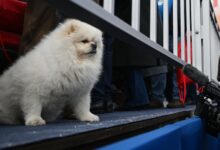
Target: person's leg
175, 101
158, 85
107, 63
138, 95
191, 94
175, 90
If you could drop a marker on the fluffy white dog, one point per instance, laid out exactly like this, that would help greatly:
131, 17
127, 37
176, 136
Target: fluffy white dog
61, 70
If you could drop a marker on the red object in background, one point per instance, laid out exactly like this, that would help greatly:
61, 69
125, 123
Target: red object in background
182, 79
9, 39
12, 15
186, 52
215, 3
11, 25
11, 22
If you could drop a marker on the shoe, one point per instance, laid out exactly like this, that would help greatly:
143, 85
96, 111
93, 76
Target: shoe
175, 104
102, 106
110, 106
155, 104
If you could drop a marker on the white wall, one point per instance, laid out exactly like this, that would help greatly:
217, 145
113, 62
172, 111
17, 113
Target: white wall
215, 51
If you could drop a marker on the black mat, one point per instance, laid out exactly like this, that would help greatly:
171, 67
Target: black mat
11, 136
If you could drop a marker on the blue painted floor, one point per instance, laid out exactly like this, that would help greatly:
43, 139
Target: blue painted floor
11, 136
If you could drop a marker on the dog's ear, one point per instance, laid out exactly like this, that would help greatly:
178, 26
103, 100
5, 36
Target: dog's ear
71, 29
69, 26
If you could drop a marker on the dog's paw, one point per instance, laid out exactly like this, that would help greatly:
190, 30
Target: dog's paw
89, 117
35, 121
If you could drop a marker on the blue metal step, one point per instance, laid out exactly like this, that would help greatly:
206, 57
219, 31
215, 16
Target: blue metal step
75, 133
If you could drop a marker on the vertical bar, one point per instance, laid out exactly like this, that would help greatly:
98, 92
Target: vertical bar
166, 24
188, 31
198, 44
206, 38
109, 5
135, 14
182, 21
153, 20
175, 27
193, 32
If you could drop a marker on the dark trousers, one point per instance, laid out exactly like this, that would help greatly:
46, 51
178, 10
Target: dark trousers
102, 89
137, 91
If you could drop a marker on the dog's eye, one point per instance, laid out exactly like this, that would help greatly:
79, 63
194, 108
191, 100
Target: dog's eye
85, 41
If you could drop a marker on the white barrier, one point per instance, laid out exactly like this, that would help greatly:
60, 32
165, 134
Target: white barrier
199, 33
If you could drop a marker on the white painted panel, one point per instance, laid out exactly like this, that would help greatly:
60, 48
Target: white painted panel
215, 52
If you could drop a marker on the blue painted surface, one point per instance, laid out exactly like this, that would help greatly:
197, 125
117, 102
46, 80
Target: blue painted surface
11, 136
184, 135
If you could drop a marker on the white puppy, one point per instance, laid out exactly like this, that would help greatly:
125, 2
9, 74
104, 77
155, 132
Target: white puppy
61, 70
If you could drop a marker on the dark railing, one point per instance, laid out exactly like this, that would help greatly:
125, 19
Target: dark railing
88, 11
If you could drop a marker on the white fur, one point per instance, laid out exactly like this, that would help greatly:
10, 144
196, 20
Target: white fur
56, 73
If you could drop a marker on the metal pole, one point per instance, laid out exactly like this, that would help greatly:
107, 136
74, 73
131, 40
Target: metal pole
109, 5
206, 38
188, 32
182, 20
175, 27
193, 32
135, 16
166, 24
153, 20
198, 43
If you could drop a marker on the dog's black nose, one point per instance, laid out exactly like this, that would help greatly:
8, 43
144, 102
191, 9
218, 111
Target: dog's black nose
93, 49
94, 46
